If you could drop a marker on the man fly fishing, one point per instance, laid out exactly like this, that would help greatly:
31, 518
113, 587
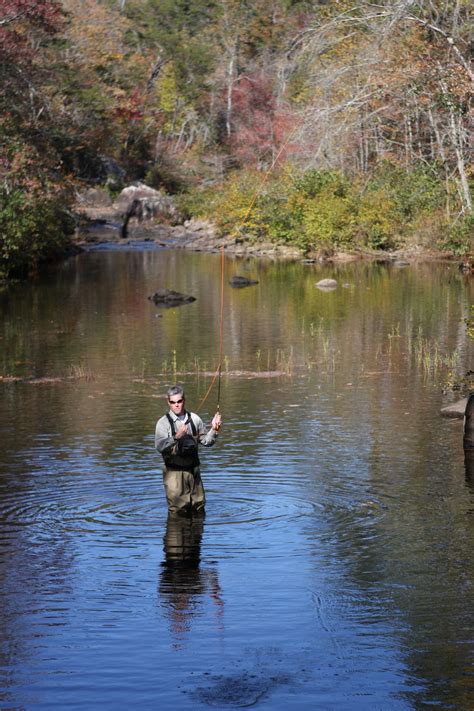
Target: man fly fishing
177, 437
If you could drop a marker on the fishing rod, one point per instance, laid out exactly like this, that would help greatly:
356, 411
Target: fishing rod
221, 332
218, 372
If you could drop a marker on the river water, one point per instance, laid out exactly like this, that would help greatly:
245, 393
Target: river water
334, 568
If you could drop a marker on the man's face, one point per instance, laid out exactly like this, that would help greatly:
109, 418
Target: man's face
176, 403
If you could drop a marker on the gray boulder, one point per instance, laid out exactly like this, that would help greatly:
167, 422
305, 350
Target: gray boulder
134, 192
327, 284
456, 409
145, 203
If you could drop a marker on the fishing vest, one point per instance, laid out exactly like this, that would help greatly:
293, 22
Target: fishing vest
185, 456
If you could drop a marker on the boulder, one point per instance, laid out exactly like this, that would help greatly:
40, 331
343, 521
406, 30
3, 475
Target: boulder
239, 281
135, 192
168, 297
327, 284
159, 205
457, 409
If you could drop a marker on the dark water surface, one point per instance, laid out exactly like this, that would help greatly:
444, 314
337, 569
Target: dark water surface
334, 569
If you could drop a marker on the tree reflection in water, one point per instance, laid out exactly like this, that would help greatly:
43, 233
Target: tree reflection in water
184, 583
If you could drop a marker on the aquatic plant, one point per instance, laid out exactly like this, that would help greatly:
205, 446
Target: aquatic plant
80, 372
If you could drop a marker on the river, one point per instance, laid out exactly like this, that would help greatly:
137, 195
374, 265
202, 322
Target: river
334, 568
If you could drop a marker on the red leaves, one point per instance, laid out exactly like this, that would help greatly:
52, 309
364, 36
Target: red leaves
130, 107
45, 13
254, 92
258, 126
20, 18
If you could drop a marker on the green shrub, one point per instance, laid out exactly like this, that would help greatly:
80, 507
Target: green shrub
460, 239
33, 227
234, 207
322, 210
328, 222
314, 182
413, 191
378, 219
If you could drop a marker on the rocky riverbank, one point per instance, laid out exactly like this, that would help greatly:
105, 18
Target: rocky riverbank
100, 220
99, 224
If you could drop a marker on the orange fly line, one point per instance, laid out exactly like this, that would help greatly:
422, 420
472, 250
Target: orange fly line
217, 374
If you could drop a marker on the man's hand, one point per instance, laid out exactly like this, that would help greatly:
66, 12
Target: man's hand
216, 422
181, 431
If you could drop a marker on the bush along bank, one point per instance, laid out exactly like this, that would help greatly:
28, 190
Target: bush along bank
323, 211
32, 232
35, 220
314, 212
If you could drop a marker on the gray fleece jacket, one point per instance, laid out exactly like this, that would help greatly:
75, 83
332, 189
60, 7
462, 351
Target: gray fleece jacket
164, 440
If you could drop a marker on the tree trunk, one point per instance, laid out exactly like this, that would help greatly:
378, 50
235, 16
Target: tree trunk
230, 86
455, 129
461, 166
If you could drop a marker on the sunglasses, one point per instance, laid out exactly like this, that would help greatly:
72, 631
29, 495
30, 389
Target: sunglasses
176, 402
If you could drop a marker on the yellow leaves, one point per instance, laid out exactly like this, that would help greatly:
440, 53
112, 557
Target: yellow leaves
117, 92
327, 219
166, 88
377, 219
169, 100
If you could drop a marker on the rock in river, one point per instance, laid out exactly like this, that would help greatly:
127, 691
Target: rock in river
456, 409
168, 297
240, 281
327, 284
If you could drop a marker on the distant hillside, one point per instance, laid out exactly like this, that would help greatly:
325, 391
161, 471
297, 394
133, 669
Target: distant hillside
184, 95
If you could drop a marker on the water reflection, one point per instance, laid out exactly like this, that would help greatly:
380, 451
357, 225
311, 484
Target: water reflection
184, 583
469, 468
340, 505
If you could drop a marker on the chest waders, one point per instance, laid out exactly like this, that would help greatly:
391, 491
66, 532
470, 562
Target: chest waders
186, 456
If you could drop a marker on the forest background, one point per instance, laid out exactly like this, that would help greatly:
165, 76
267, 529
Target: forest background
329, 125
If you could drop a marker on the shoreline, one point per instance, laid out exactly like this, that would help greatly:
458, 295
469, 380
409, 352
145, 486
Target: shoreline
102, 225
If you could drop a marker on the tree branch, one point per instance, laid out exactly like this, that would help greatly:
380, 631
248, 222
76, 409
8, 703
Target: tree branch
448, 39
13, 18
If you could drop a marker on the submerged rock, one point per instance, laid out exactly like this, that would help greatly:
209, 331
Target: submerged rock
168, 297
327, 284
240, 281
457, 409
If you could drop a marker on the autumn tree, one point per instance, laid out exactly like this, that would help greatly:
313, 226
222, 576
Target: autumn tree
387, 81
33, 190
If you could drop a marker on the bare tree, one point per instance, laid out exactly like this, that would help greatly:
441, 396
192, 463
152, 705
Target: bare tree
368, 99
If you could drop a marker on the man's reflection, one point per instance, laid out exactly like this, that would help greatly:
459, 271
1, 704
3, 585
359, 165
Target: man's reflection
469, 468
468, 441
183, 582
